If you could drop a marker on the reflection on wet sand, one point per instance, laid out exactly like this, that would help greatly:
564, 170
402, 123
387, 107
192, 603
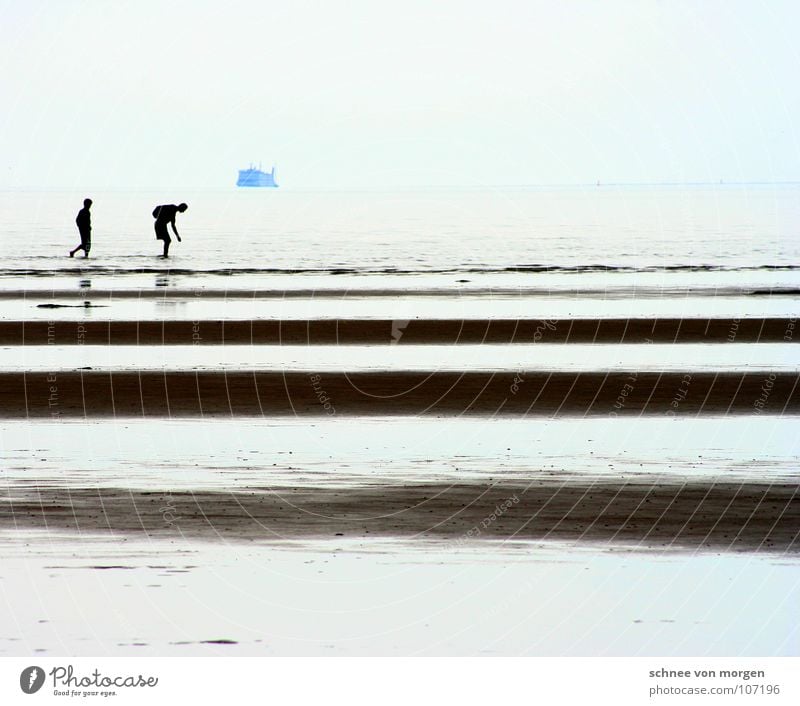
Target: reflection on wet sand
677, 514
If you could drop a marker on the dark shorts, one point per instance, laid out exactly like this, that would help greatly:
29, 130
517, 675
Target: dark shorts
86, 240
161, 233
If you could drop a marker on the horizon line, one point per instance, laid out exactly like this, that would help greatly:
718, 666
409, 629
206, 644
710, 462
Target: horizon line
415, 187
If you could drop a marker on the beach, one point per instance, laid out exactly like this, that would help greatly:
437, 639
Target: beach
121, 394
418, 448
388, 332
370, 535
691, 516
405, 332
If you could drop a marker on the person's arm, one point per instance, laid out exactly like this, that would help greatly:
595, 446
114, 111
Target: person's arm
174, 229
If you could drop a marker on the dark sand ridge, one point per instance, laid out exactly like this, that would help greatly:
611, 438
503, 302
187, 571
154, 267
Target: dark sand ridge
98, 294
208, 393
692, 515
415, 331
94, 267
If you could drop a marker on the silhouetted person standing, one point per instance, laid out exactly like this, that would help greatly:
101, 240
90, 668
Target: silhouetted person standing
84, 223
165, 215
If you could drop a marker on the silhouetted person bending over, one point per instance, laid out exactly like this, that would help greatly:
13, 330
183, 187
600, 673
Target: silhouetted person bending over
84, 223
166, 215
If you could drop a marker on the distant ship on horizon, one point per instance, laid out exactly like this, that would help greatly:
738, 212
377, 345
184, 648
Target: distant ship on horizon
255, 177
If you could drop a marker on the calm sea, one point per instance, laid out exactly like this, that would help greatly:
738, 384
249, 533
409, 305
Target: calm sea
669, 229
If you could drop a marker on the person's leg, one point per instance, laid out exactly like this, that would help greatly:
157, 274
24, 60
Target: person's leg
161, 234
86, 244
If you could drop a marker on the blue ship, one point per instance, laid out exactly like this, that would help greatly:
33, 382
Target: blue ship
255, 177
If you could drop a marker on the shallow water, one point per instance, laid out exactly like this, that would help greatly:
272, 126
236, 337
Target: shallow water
414, 230
400, 308
84, 276
768, 357
169, 598
234, 454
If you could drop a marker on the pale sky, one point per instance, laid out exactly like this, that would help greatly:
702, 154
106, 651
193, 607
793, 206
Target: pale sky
370, 93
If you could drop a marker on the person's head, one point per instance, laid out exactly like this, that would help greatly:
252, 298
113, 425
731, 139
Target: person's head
87, 203
182, 207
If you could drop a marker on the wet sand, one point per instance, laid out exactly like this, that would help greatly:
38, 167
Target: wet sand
105, 295
696, 514
561, 309
201, 500
176, 393
400, 536
382, 331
